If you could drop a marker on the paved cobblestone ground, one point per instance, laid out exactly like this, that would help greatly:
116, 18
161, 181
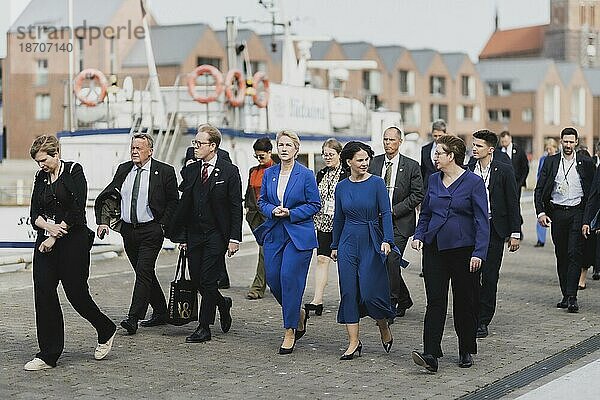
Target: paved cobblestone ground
156, 363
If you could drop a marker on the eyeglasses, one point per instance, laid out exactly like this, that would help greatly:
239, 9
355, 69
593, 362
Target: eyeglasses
260, 156
198, 143
438, 153
328, 155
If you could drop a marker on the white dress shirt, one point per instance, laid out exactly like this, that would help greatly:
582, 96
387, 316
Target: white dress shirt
144, 214
567, 175
508, 150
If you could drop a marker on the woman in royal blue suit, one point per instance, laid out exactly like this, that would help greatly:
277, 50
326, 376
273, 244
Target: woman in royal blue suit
453, 231
289, 198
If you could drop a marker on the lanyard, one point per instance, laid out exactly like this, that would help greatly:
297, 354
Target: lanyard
568, 169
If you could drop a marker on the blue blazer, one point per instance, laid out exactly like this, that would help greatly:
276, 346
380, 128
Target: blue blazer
301, 197
457, 216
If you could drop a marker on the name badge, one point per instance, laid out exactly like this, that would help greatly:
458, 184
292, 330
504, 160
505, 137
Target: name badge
563, 188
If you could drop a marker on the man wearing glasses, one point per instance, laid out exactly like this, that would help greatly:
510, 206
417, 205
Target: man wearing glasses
209, 220
262, 152
402, 177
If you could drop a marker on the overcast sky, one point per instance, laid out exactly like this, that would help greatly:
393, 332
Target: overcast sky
444, 25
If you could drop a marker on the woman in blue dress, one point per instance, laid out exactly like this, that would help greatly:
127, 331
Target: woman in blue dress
362, 239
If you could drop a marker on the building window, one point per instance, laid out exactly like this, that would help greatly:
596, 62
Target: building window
41, 72
410, 113
215, 62
578, 106
502, 115
439, 111
593, 16
437, 85
372, 82
467, 86
467, 113
498, 88
406, 82
527, 115
552, 105
255, 66
42, 106
582, 15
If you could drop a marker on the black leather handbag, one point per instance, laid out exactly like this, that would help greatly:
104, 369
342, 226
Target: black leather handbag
183, 296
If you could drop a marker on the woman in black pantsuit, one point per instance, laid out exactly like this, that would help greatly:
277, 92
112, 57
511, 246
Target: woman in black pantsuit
62, 253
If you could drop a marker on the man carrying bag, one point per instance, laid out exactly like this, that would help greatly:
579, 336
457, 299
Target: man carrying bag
183, 297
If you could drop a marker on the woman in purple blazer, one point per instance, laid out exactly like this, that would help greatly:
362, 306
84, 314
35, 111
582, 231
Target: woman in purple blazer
289, 198
453, 231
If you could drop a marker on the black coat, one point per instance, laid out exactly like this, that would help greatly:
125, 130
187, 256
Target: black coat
162, 194
593, 204
504, 199
545, 184
520, 165
408, 192
224, 199
427, 166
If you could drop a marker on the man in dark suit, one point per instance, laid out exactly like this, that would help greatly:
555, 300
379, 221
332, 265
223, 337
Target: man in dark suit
438, 129
190, 158
561, 193
405, 186
518, 159
505, 224
139, 202
210, 220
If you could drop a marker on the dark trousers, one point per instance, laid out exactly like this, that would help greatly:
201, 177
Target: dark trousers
142, 245
490, 272
205, 255
568, 247
399, 293
439, 268
69, 263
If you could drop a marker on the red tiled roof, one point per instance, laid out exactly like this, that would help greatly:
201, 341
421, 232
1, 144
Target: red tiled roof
514, 42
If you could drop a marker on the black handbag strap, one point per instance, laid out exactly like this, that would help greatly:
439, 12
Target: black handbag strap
181, 265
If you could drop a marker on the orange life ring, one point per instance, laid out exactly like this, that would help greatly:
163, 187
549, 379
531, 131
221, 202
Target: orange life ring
201, 70
235, 101
93, 74
261, 102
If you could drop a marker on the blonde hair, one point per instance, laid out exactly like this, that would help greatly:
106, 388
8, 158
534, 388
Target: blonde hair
214, 134
291, 134
46, 143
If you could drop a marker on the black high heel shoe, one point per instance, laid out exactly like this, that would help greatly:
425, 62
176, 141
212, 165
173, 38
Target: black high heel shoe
350, 356
387, 346
283, 350
298, 334
317, 308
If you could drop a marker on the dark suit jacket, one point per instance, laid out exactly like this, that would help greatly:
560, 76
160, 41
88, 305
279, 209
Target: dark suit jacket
593, 203
545, 184
162, 195
301, 197
427, 166
504, 200
408, 192
520, 164
224, 199
457, 218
